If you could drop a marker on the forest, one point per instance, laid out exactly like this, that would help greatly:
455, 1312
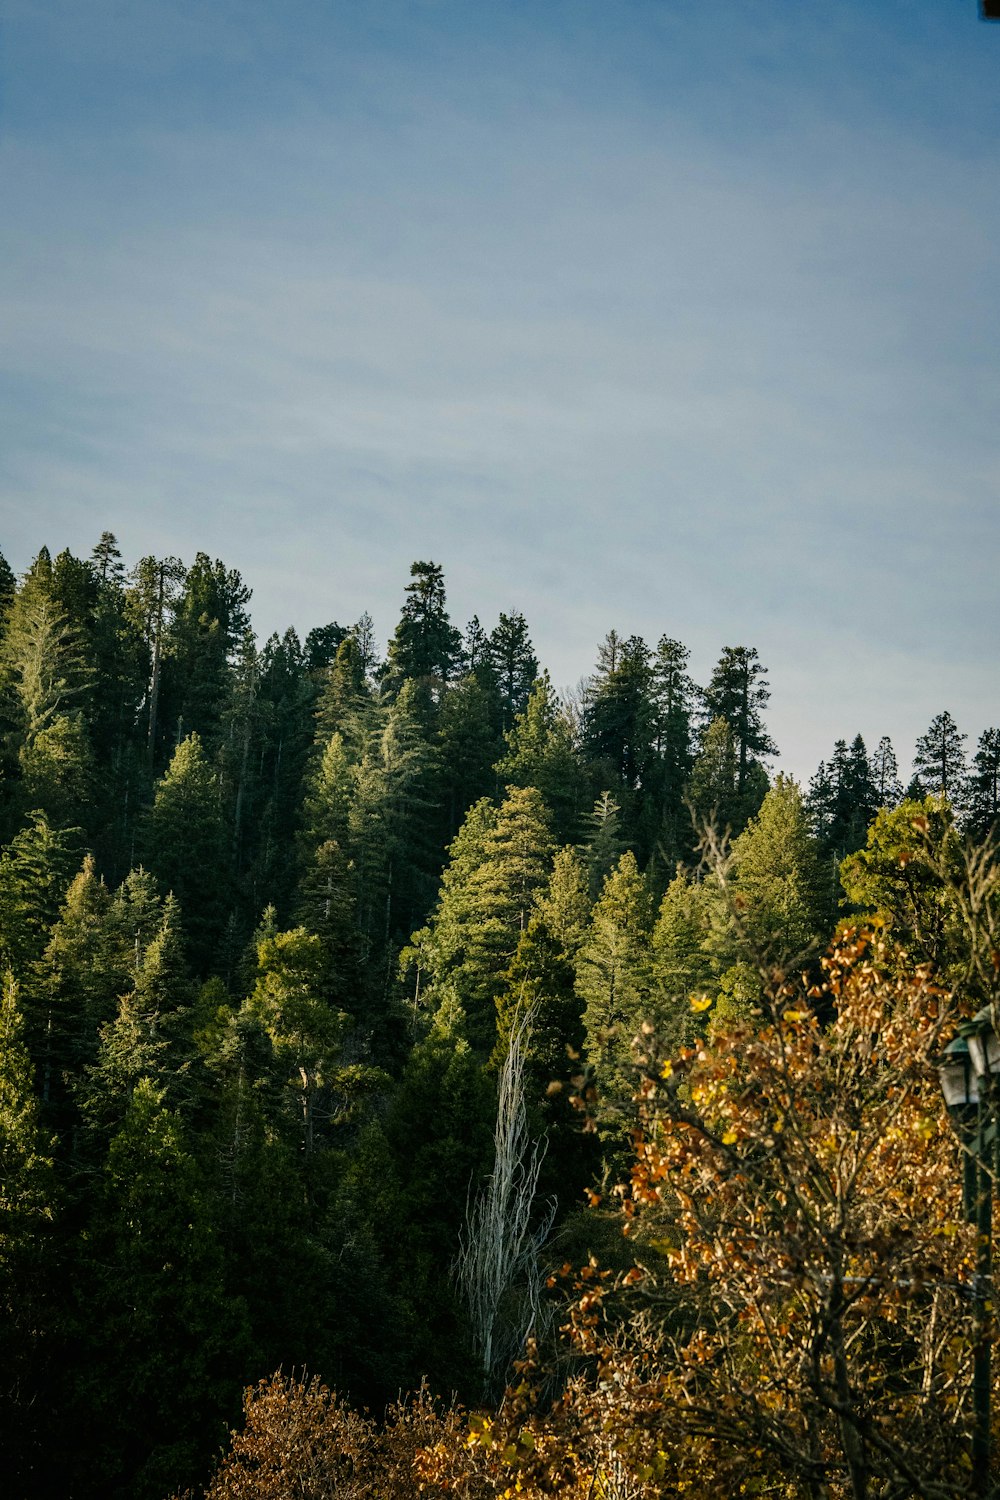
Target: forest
455, 1067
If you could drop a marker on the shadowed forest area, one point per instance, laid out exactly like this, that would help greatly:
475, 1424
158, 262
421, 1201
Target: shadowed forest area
355, 1004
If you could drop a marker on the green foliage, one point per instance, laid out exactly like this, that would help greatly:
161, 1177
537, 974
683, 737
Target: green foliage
776, 881
165, 1344
619, 717
683, 970
605, 843
904, 878
205, 1173
541, 754
469, 744
208, 623
514, 664
426, 645
35, 868
542, 979
391, 821
738, 693
29, 1198
713, 788
344, 701
185, 847
982, 792
614, 982
57, 770
939, 760
43, 657
565, 903
499, 866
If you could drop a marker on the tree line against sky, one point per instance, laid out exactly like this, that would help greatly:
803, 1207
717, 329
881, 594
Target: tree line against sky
270, 917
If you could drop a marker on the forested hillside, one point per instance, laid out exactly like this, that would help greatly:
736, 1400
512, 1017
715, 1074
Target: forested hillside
272, 916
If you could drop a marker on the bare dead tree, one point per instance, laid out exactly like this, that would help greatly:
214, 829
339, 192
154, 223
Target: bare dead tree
498, 1265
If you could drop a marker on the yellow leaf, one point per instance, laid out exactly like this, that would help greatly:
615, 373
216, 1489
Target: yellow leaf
700, 1002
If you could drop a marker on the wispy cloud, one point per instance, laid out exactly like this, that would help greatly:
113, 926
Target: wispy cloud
606, 361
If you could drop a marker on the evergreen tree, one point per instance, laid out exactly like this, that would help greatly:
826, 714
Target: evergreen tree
565, 903
738, 693
344, 702
43, 660
437, 950
209, 622
843, 798
326, 898
514, 664
329, 793
280, 750
150, 602
290, 1002
885, 774
75, 988
121, 672
982, 791
939, 760
776, 879
614, 982
714, 786
148, 1038
391, 839
136, 914
35, 869
363, 631
186, 850
326, 905
321, 646
499, 866
469, 745
475, 654
541, 754
504, 889
107, 559
241, 718
426, 645
8, 586
619, 716
683, 970
669, 830
165, 1347
28, 1199
605, 843
542, 980
57, 771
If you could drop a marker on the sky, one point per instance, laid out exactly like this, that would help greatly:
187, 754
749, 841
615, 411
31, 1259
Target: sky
665, 316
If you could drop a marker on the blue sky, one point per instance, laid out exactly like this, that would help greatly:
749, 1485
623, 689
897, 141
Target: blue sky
670, 317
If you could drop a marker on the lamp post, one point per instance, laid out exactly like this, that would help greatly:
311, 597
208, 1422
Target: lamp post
969, 1071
